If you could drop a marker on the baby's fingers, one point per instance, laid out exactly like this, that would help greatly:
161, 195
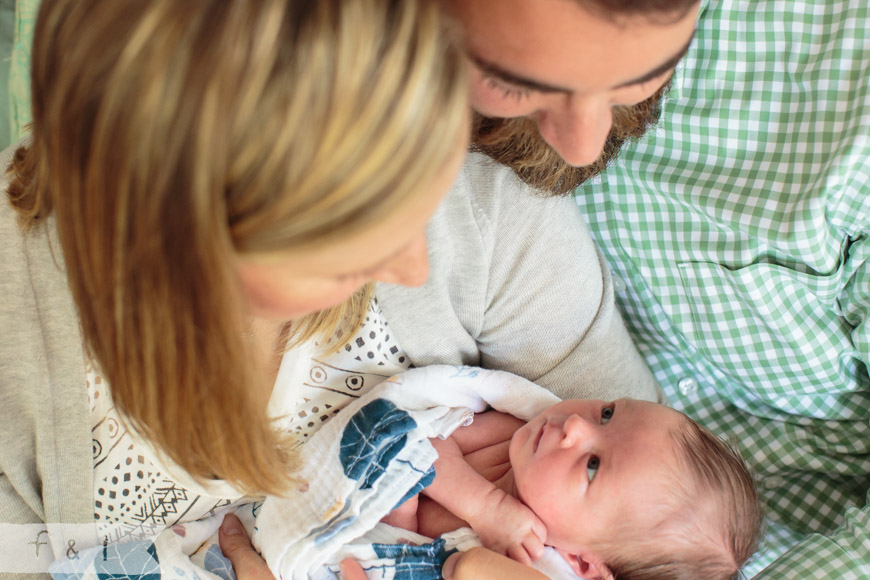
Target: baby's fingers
534, 547
518, 552
540, 530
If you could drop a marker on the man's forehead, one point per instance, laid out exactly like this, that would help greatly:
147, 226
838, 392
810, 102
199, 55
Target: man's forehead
559, 47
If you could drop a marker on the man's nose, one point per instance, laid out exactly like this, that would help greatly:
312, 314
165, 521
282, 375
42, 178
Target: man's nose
410, 267
576, 431
577, 128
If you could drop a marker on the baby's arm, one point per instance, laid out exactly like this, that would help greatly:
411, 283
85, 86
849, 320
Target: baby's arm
503, 522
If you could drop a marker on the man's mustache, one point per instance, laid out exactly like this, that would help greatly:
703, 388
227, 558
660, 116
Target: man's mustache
518, 144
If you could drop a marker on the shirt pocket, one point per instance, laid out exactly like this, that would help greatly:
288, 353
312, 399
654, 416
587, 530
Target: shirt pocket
770, 327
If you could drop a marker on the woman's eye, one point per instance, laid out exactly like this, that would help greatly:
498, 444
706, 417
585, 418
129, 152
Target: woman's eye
355, 277
606, 414
592, 467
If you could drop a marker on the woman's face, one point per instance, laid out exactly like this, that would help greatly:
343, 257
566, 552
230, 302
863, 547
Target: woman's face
301, 282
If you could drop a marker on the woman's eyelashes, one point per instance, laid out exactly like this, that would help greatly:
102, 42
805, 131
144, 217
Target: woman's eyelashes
350, 277
361, 275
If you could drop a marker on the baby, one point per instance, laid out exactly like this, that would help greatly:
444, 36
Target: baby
626, 489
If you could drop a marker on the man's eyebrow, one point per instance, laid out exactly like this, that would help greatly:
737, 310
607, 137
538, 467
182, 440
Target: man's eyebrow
493, 70
662, 68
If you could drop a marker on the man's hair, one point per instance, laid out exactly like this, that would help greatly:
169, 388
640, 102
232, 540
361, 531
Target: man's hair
517, 143
708, 528
171, 138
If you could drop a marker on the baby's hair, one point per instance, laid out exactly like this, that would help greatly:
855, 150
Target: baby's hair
712, 522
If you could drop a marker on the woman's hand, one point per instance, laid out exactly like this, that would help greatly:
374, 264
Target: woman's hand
483, 564
247, 563
235, 544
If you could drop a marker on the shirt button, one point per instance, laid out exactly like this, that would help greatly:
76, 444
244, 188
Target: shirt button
773, 482
618, 284
687, 385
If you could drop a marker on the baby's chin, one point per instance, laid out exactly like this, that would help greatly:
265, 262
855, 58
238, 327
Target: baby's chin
517, 439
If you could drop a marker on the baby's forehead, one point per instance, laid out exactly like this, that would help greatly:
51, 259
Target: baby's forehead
654, 500
660, 466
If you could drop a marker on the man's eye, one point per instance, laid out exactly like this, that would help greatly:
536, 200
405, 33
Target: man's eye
592, 467
606, 414
507, 90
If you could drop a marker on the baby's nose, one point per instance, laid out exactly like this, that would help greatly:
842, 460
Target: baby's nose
577, 430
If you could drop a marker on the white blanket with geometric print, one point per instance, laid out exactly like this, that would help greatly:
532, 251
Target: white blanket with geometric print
372, 456
357, 468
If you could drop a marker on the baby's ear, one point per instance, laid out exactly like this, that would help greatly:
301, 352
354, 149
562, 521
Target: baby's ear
589, 568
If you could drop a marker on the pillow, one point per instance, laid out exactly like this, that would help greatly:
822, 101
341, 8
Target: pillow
19, 70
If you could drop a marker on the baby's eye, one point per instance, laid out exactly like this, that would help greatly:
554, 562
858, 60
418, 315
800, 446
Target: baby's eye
592, 467
606, 414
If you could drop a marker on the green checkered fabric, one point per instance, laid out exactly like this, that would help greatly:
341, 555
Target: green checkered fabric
737, 231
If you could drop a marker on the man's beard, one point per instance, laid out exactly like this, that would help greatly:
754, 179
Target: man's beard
518, 144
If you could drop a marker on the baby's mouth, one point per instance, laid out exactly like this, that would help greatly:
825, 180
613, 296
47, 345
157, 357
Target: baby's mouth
538, 437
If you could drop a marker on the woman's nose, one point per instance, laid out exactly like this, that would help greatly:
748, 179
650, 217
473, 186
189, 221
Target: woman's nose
410, 267
577, 430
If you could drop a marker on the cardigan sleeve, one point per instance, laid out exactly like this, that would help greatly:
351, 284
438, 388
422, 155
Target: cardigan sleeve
45, 442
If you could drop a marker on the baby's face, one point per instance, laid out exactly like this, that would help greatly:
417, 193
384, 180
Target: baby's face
585, 466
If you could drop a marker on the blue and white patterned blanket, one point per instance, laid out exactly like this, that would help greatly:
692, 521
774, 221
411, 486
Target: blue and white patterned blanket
370, 458
357, 468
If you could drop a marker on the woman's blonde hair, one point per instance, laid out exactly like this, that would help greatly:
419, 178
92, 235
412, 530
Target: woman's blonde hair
170, 137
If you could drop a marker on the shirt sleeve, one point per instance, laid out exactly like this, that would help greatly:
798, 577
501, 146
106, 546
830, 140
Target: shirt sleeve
550, 301
25, 547
516, 284
844, 554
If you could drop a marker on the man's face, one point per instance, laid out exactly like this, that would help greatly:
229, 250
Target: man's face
567, 68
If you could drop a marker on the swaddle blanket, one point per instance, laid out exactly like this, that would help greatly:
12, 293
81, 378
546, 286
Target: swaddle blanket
370, 458
357, 468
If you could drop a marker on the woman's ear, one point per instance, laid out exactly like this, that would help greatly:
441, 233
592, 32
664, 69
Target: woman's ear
586, 567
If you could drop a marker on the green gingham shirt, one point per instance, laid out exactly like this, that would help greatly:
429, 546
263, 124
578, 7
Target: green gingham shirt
737, 231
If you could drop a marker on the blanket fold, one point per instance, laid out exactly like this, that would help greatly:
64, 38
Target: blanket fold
370, 458
359, 466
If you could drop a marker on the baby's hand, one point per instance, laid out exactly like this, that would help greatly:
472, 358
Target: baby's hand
507, 526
